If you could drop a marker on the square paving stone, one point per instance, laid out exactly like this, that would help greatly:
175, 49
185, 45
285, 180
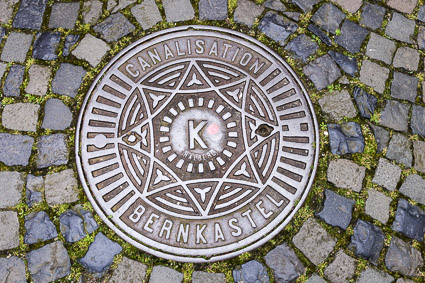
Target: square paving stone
322, 72
316, 279
373, 75
374, 275
382, 137
91, 49
400, 28
16, 47
114, 27
341, 269
352, 36
30, 14
372, 15
20, 116
380, 48
39, 228
206, 277
13, 81
350, 5
34, 190
414, 188
276, 5
395, 115
417, 122
421, 14
161, 274
419, 153
39, 77
9, 234
45, 46
57, 115
64, 15
337, 210
178, 10
61, 188
129, 270
302, 47
328, 17
404, 6
15, 149
285, 264
305, 5
49, 263
147, 14
409, 220
387, 175
68, 79
365, 101
346, 174
246, 12
367, 241
52, 150
213, 10
402, 257
314, 241
92, 10
338, 105
404, 87
400, 150
407, 58
11, 188
378, 206
277, 27
252, 271
6, 10
12, 269
346, 138
347, 64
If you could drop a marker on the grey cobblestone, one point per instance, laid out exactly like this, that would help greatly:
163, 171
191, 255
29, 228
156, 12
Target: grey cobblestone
16, 47
206, 277
378, 206
400, 28
407, 58
213, 10
38, 79
92, 10
302, 47
419, 154
414, 187
30, 14
61, 188
39, 228
249, 272
395, 115
352, 36
305, 5
34, 190
373, 275
91, 49
9, 234
64, 15
20, 116
133, 271
285, 264
338, 105
12, 269
114, 27
417, 122
15, 149
178, 10
147, 14
380, 48
52, 150
57, 115
372, 15
404, 87
341, 269
373, 75
246, 12
68, 79
11, 188
405, 6
6, 10
13, 81
387, 175
322, 72
400, 150
337, 210
346, 174
328, 17
277, 27
403, 258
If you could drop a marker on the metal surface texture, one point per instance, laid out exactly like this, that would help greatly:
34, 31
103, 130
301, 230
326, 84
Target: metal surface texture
197, 144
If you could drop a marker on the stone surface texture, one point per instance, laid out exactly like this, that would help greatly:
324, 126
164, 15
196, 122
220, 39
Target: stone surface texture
48, 263
409, 220
64, 15
419, 155
39, 79
414, 187
206, 277
147, 14
15, 149
407, 58
403, 258
378, 206
20, 116
277, 27
68, 79
12, 269
395, 115
178, 10
57, 115
16, 47
373, 275
374, 75
387, 175
400, 28
91, 49
11, 188
380, 48
346, 174
338, 105
252, 271
341, 269
246, 12
9, 234
129, 270
61, 188
337, 210
285, 264
39, 228
314, 241
114, 27
399, 150
52, 150
404, 87
322, 72
367, 241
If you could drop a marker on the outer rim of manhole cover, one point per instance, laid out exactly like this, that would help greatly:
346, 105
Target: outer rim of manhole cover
251, 240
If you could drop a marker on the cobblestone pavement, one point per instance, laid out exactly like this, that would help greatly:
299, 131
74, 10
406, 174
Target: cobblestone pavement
363, 65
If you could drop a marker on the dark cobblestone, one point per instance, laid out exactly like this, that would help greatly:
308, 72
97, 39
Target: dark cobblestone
347, 64
328, 17
409, 220
30, 14
404, 87
39, 228
100, 255
366, 102
14, 80
114, 27
305, 5
337, 210
70, 41
277, 27
322, 72
52, 150
213, 10
400, 150
57, 115
285, 264
251, 272
320, 34
68, 79
403, 258
418, 120
346, 138
15, 149
45, 46
372, 16
12, 269
414, 188
382, 137
367, 241
352, 36
302, 47
395, 115
34, 190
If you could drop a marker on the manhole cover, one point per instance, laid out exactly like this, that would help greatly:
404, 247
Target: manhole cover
197, 144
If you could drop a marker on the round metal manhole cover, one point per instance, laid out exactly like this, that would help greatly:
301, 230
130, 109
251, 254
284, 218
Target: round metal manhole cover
197, 144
